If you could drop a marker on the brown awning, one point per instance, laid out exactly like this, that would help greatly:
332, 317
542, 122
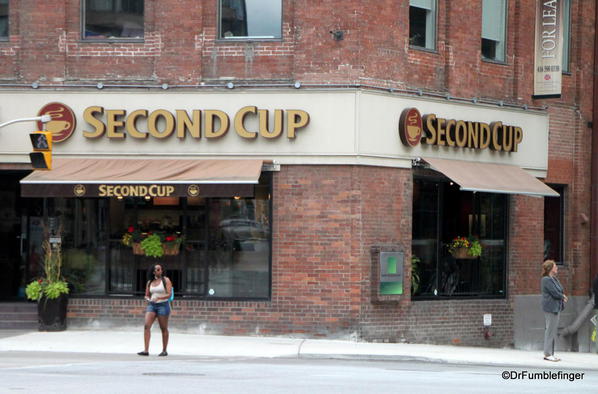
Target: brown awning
490, 178
87, 177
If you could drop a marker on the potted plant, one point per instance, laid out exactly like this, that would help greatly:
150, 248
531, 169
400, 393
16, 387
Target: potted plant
50, 291
153, 244
465, 248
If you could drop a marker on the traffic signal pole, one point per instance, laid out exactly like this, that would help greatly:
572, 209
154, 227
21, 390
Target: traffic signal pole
41, 157
44, 119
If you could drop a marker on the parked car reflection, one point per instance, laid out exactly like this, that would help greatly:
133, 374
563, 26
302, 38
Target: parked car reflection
244, 234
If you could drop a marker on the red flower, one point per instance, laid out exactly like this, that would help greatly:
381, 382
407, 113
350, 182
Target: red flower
39, 281
131, 229
170, 238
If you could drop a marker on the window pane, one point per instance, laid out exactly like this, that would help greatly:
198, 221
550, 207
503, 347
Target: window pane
554, 225
566, 4
239, 247
425, 234
422, 23
251, 18
225, 248
493, 29
109, 19
3, 18
441, 212
83, 238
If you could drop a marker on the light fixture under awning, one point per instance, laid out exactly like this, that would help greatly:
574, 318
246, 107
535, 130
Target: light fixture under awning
92, 177
490, 178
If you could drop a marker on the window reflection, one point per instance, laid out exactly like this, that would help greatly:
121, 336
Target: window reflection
250, 18
110, 19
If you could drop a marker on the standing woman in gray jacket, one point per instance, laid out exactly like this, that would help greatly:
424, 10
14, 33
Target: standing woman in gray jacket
553, 302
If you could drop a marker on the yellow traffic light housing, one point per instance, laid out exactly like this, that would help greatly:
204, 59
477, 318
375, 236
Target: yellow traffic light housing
41, 157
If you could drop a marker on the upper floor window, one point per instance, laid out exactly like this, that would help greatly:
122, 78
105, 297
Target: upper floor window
255, 19
422, 23
3, 19
566, 27
494, 21
113, 19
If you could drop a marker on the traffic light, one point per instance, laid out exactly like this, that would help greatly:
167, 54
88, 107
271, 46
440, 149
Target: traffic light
41, 157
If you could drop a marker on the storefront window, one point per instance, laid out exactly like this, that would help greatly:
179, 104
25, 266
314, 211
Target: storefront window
442, 212
255, 19
113, 19
224, 250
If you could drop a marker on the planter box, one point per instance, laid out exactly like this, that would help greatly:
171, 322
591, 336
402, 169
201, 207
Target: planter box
462, 253
51, 314
170, 249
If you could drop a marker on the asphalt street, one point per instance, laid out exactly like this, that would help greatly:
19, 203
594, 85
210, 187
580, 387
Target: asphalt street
54, 372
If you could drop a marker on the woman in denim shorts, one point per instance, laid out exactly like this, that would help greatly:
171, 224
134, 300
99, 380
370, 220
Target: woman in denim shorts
157, 293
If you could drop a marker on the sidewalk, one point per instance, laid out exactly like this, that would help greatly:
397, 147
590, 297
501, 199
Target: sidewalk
130, 342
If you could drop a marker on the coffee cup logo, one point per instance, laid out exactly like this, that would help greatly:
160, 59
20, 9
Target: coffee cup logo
410, 127
193, 191
63, 121
79, 190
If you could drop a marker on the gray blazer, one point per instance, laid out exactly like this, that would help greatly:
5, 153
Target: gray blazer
552, 294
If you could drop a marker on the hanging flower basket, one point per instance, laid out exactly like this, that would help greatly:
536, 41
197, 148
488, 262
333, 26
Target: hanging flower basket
171, 248
465, 248
137, 248
462, 253
152, 244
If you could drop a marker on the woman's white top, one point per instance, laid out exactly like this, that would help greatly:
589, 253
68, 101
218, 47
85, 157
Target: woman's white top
157, 291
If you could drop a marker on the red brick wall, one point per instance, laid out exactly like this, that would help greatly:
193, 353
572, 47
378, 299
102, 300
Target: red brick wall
326, 219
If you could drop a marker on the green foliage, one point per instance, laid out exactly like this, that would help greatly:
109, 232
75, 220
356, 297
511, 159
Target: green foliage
152, 246
34, 290
55, 289
39, 288
475, 249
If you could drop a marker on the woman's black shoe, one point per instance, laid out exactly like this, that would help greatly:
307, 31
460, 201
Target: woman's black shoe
143, 354
163, 354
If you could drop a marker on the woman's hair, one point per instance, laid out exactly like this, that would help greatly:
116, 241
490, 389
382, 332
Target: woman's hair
152, 268
546, 267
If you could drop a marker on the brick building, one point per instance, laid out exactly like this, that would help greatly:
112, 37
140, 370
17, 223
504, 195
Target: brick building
344, 228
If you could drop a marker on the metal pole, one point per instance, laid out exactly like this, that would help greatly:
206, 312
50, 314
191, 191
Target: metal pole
44, 119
